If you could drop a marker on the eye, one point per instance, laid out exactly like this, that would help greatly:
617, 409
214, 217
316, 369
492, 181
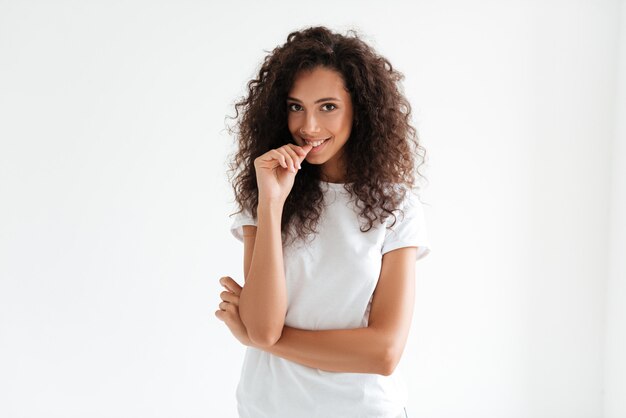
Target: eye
329, 104
291, 105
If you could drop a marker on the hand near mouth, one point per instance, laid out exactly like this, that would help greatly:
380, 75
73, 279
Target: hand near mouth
276, 170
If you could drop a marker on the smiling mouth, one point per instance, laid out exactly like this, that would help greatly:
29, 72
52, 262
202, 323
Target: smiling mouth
316, 144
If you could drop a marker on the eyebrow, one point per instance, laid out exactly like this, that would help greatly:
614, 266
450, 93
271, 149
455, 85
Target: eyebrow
325, 99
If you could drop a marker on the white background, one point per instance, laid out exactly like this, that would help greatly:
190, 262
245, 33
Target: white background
114, 226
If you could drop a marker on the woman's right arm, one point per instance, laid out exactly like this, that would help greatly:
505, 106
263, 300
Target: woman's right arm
263, 299
249, 237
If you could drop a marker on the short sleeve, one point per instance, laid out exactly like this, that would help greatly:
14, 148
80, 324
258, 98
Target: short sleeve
410, 229
241, 219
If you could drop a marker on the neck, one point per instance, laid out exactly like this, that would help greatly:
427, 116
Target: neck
333, 173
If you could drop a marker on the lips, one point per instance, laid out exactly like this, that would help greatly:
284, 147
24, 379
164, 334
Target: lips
318, 149
310, 141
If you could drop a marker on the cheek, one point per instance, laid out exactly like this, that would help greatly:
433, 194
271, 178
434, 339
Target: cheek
291, 125
341, 124
334, 122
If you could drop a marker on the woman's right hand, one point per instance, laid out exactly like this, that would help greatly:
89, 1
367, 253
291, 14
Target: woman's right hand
276, 171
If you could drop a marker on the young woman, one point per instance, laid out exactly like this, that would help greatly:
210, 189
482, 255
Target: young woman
331, 226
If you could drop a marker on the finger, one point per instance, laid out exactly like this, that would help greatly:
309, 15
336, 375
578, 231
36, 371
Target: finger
297, 149
279, 157
306, 148
301, 150
268, 160
291, 166
219, 314
230, 297
228, 308
230, 284
294, 157
229, 291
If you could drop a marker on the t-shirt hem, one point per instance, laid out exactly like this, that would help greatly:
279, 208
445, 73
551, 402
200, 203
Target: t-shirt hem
236, 228
422, 249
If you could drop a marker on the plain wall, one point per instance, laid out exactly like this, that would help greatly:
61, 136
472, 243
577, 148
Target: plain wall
114, 226
615, 360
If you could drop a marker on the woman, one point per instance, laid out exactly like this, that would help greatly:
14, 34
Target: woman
331, 227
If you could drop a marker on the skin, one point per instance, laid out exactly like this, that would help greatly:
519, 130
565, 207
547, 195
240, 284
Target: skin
319, 107
263, 300
376, 348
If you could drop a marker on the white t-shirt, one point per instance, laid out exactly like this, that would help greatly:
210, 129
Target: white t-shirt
330, 282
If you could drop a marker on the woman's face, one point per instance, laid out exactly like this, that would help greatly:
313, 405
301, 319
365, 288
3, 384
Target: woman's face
320, 109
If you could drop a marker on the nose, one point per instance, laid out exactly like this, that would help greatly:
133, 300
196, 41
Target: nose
310, 126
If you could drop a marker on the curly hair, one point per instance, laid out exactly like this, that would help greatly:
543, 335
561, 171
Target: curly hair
383, 149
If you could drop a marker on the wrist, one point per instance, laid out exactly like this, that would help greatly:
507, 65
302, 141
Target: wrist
272, 205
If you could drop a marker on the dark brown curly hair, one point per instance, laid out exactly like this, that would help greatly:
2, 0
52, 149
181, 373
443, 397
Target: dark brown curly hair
382, 151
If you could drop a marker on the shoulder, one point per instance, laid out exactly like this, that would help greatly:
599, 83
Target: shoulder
409, 204
243, 224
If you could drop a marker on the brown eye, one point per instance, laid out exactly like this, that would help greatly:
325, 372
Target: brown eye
329, 104
290, 106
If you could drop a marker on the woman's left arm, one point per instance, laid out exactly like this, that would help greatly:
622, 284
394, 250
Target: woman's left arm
374, 349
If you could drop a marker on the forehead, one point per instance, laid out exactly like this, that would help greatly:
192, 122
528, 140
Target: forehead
319, 82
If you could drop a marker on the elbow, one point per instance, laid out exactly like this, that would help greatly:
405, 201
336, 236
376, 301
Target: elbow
389, 361
262, 332
388, 353
264, 338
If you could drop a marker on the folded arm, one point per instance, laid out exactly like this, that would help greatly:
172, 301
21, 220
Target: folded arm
374, 349
359, 350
